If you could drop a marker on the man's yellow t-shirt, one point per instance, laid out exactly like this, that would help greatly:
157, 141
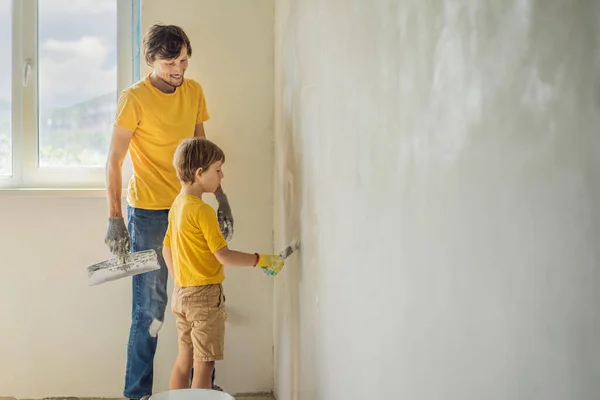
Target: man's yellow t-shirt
193, 235
159, 122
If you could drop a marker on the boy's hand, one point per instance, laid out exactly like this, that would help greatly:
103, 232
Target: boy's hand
225, 216
117, 237
271, 264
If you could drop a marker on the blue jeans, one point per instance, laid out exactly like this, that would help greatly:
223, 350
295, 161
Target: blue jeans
147, 230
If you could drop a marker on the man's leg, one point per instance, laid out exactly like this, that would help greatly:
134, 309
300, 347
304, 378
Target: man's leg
147, 230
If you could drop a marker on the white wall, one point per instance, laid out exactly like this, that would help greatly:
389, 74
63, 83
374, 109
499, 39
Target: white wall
439, 160
62, 338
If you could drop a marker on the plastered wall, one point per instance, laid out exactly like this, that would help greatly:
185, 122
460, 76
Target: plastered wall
439, 161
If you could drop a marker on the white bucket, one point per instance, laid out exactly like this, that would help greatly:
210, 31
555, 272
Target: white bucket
192, 394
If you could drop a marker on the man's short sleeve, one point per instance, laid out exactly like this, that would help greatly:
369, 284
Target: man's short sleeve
129, 112
202, 110
208, 223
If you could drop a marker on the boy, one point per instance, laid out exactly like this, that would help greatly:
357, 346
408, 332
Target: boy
195, 252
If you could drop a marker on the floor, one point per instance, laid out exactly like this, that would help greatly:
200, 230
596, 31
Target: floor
244, 397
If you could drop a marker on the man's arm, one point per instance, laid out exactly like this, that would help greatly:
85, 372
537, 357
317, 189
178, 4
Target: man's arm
119, 145
199, 131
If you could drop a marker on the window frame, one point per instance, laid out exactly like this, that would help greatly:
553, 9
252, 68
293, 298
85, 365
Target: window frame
26, 173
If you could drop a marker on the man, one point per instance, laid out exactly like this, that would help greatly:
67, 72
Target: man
153, 116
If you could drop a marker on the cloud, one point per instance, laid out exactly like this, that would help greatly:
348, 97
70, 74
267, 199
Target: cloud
5, 9
75, 71
70, 71
5, 48
90, 47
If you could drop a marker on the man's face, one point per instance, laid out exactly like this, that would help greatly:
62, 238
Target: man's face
171, 71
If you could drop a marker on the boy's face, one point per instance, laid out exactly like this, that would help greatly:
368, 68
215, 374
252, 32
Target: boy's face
211, 178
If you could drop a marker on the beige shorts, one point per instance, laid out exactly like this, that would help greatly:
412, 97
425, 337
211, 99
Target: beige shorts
200, 315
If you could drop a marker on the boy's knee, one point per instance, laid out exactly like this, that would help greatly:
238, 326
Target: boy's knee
185, 357
184, 365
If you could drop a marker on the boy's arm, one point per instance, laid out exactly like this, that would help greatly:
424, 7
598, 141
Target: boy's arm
209, 224
235, 258
272, 263
218, 245
168, 256
166, 250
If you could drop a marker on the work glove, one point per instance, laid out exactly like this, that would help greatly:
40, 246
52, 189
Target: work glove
271, 264
225, 216
117, 237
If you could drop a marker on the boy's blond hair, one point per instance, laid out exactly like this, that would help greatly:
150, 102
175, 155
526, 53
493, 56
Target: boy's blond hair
195, 153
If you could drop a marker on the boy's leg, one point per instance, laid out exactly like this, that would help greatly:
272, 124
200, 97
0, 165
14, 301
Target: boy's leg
212, 383
202, 377
147, 230
208, 334
180, 375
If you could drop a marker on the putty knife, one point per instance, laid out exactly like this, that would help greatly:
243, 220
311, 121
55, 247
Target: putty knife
288, 251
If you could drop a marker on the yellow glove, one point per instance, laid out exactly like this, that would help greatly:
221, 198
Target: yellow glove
271, 264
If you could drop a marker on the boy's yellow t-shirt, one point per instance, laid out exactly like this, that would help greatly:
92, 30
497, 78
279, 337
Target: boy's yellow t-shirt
194, 236
159, 122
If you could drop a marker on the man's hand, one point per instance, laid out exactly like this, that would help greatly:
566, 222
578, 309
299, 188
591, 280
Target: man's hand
225, 216
117, 237
271, 264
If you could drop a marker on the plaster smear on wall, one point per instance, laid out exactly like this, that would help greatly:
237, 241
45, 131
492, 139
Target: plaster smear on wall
439, 159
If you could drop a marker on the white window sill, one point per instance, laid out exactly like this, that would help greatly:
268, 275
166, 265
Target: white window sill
55, 192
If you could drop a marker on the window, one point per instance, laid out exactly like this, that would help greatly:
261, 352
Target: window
69, 59
5, 89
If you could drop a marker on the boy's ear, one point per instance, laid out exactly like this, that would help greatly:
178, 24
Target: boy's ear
198, 173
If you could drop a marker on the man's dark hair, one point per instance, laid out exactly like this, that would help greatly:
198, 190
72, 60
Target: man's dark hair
165, 42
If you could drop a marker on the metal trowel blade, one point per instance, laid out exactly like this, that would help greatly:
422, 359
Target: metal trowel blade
121, 267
